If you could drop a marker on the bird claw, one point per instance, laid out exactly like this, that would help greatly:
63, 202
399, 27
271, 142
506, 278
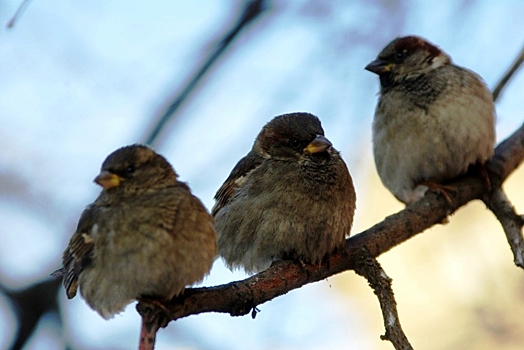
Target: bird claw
154, 315
440, 189
483, 171
154, 311
305, 268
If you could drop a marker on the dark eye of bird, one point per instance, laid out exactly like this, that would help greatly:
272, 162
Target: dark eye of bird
130, 169
400, 54
294, 143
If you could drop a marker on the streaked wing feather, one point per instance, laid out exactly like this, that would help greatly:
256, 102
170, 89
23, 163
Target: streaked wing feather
228, 188
78, 253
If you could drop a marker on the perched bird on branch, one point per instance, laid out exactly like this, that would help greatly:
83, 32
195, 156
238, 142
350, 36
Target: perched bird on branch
290, 197
145, 235
433, 119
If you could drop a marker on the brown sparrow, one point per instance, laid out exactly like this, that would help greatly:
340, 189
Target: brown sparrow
145, 235
290, 197
433, 119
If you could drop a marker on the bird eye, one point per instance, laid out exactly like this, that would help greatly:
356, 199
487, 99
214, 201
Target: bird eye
294, 142
131, 169
400, 54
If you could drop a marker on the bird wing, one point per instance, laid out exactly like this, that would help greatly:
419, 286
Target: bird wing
78, 253
237, 177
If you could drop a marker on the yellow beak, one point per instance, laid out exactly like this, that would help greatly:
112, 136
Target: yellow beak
108, 180
319, 144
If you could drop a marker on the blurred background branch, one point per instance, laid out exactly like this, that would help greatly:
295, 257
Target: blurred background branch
18, 13
30, 305
252, 10
508, 75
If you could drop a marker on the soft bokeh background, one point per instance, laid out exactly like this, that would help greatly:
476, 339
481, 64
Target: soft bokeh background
80, 79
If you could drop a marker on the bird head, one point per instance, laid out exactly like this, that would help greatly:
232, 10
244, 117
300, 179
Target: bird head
134, 167
407, 57
293, 136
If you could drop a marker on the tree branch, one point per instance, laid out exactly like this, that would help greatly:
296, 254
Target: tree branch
17, 14
508, 75
509, 154
30, 305
252, 10
511, 222
369, 268
239, 298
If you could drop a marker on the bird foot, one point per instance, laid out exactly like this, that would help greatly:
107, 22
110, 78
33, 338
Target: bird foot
440, 189
304, 267
483, 172
154, 310
155, 315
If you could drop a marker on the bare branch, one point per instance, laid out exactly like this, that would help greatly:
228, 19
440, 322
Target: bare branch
508, 75
31, 304
511, 223
252, 10
148, 331
508, 156
18, 13
369, 268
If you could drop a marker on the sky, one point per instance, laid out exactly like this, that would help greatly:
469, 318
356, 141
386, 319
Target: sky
80, 79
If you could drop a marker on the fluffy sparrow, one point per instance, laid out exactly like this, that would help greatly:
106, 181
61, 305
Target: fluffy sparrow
145, 235
290, 197
433, 119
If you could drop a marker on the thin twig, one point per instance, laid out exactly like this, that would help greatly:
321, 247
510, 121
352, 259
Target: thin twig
31, 304
512, 223
252, 10
147, 334
508, 75
370, 268
18, 13
509, 152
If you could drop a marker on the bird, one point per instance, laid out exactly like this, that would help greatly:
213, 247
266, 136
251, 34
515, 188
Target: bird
291, 197
145, 235
433, 119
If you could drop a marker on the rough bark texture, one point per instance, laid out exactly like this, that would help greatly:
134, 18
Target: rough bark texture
379, 281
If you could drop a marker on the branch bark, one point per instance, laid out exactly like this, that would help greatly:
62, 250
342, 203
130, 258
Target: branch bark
511, 222
369, 268
239, 298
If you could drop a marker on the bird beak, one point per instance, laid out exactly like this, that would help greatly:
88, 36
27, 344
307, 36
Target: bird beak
319, 144
380, 66
108, 180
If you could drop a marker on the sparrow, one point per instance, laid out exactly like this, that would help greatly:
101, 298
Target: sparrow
145, 235
291, 197
433, 119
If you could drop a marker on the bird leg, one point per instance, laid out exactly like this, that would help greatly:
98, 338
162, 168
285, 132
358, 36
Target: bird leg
156, 307
483, 173
439, 189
